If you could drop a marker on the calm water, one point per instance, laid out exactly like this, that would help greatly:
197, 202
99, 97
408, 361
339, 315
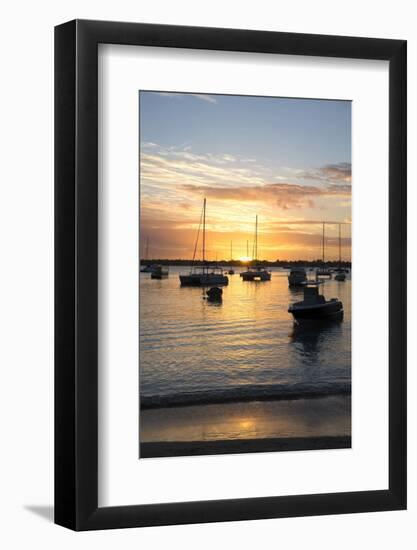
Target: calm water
244, 348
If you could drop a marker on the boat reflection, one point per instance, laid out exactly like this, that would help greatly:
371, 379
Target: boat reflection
310, 338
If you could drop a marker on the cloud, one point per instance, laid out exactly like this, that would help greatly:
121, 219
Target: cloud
204, 97
160, 167
336, 173
148, 145
290, 222
284, 195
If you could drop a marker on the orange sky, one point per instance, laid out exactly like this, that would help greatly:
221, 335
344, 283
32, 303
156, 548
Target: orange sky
296, 174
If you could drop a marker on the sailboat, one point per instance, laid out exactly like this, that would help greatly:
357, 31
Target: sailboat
203, 275
256, 272
340, 273
231, 270
323, 272
148, 268
247, 257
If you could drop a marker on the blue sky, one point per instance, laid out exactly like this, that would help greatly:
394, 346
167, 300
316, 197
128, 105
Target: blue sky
286, 159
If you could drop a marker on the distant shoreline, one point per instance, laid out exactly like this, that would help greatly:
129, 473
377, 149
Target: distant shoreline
237, 263
195, 448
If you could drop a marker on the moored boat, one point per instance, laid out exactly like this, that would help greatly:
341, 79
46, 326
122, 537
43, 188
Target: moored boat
297, 277
231, 271
323, 272
315, 307
214, 294
340, 273
148, 268
205, 274
256, 272
159, 272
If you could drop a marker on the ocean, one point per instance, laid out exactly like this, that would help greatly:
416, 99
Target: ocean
241, 352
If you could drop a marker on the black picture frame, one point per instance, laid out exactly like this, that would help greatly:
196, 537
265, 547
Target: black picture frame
76, 272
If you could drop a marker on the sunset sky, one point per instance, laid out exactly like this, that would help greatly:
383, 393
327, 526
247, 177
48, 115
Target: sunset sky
286, 160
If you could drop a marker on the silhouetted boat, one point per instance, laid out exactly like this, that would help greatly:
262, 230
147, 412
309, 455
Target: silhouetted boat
203, 275
323, 272
340, 276
256, 272
315, 307
159, 272
297, 277
214, 294
148, 268
231, 270
340, 273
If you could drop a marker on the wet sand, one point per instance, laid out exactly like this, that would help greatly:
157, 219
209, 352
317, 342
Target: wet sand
193, 448
260, 426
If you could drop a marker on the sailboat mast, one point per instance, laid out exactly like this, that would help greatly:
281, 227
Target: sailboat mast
147, 248
204, 230
323, 244
247, 249
256, 238
231, 250
340, 244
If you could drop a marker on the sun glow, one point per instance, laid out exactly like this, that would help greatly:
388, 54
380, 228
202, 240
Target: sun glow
245, 259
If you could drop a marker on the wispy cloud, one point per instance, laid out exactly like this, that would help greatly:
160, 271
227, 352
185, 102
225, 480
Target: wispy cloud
337, 173
285, 195
204, 97
174, 181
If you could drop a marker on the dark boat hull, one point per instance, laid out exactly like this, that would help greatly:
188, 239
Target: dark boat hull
256, 276
330, 311
203, 280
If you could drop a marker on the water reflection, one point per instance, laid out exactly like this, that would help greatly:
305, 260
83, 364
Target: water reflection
188, 343
298, 418
309, 337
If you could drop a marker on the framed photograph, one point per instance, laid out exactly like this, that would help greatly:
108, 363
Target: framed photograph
230, 247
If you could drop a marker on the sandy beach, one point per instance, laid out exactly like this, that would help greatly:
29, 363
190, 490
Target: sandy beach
259, 426
193, 448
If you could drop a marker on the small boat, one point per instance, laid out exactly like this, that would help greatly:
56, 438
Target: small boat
214, 294
159, 272
323, 272
315, 307
256, 272
297, 277
148, 268
231, 270
340, 273
205, 274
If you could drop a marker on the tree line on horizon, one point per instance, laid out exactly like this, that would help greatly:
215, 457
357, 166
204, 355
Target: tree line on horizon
238, 263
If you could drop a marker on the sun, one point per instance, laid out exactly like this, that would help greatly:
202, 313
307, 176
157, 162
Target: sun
245, 259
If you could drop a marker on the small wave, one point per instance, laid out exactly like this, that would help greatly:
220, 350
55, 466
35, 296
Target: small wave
245, 393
